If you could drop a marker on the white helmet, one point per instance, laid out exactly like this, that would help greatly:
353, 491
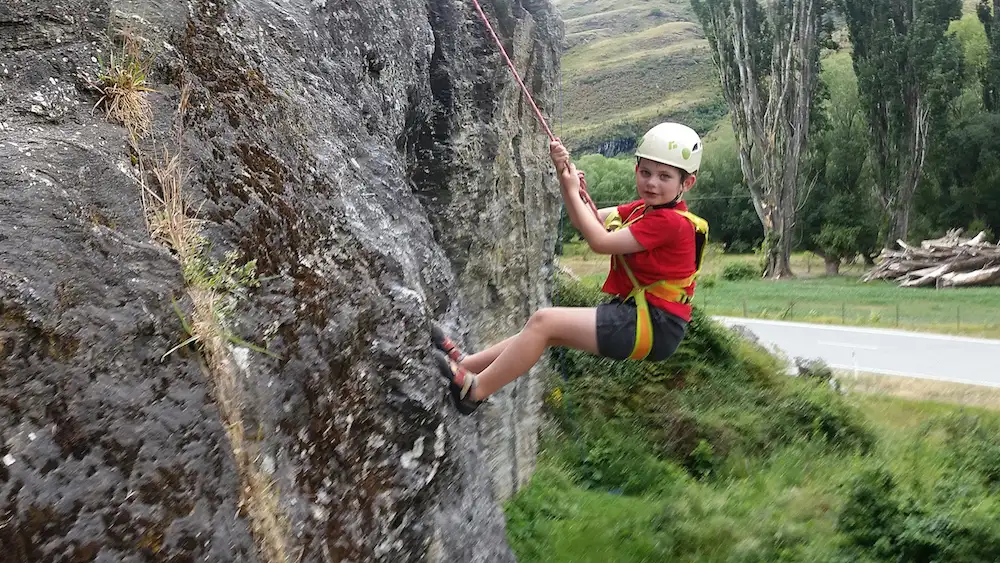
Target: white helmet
672, 143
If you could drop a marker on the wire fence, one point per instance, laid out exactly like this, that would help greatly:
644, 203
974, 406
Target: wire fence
949, 318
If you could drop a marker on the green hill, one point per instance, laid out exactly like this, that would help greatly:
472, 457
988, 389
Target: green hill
715, 455
630, 64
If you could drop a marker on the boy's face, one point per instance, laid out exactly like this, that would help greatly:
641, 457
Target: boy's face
659, 183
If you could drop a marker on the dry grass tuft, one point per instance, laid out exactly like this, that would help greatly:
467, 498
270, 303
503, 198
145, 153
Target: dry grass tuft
259, 496
212, 287
922, 389
123, 82
167, 211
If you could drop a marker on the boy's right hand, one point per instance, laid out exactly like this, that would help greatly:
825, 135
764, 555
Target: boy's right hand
559, 155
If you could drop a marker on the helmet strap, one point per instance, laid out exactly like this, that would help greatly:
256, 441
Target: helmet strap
669, 205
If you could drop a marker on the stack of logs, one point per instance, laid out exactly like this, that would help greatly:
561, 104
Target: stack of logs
949, 261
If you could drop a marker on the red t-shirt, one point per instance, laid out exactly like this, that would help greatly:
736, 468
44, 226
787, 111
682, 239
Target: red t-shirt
668, 238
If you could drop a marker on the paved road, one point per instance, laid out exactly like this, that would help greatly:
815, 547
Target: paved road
891, 352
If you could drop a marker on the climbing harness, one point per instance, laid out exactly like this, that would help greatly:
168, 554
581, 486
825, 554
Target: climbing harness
673, 291
538, 113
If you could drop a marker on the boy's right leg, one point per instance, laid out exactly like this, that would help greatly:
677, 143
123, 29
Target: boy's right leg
481, 360
572, 327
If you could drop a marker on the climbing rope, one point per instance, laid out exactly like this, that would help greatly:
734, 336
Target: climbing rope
527, 94
538, 113
561, 353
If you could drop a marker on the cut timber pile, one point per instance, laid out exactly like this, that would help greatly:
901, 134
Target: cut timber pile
949, 261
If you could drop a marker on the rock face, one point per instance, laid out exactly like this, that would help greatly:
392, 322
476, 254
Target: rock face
379, 165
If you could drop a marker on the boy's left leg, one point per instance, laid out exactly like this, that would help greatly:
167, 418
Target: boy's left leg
572, 327
473, 362
481, 360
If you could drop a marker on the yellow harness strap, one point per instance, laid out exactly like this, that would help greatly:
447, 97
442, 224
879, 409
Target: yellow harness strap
674, 291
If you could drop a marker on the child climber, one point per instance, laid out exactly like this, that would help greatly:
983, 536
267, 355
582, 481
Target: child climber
655, 246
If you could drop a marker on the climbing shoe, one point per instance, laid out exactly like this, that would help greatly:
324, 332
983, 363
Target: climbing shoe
446, 345
460, 382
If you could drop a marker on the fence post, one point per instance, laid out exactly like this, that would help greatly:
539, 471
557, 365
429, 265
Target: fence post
958, 316
744, 308
843, 313
897, 315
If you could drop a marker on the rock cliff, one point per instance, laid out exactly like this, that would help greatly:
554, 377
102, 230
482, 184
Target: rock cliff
244, 374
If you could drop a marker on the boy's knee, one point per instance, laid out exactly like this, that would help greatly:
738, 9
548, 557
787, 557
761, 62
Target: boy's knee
539, 319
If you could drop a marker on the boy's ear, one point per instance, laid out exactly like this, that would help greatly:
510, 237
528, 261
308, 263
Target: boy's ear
689, 181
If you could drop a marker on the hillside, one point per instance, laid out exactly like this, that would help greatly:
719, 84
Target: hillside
716, 456
630, 64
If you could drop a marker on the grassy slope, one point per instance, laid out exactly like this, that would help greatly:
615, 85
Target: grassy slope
715, 456
630, 64
783, 509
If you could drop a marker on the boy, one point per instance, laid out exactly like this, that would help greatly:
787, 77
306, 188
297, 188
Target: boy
655, 246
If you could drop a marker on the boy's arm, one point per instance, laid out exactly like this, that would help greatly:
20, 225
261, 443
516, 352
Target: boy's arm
582, 216
589, 225
604, 212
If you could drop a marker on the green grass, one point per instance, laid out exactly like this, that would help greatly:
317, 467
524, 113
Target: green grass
554, 520
714, 455
782, 508
812, 297
845, 300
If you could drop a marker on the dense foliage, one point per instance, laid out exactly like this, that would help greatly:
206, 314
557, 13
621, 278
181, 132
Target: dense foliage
717, 455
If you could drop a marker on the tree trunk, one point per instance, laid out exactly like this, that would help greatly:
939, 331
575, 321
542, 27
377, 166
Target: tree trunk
832, 265
778, 264
777, 245
911, 169
899, 224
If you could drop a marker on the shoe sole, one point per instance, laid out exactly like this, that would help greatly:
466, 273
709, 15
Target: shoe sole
464, 406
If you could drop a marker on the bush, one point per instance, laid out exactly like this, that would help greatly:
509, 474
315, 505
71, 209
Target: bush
737, 271
715, 396
617, 458
870, 518
973, 447
888, 524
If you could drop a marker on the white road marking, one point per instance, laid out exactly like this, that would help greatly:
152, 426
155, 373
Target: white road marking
847, 345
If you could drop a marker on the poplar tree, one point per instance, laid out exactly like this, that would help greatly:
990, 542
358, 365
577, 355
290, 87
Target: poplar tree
908, 70
767, 56
988, 14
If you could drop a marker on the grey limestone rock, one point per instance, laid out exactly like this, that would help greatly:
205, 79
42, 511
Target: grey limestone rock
380, 166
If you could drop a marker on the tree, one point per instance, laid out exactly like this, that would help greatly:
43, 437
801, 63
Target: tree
908, 71
968, 177
838, 221
768, 62
721, 197
991, 74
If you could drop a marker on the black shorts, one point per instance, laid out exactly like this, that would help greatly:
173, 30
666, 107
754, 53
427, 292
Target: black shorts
616, 331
